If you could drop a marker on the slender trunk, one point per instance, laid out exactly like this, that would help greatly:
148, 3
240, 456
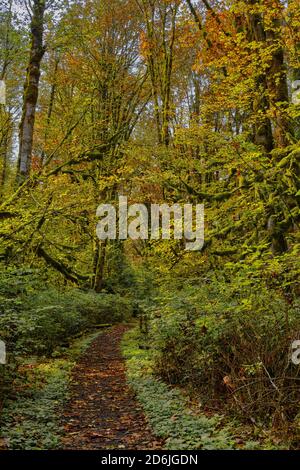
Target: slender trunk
99, 264
4, 159
159, 58
6, 44
7, 126
50, 107
5, 142
31, 89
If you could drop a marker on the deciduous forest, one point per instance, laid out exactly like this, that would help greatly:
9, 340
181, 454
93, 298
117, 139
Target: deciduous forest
140, 343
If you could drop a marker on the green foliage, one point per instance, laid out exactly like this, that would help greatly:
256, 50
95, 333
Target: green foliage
121, 275
166, 408
231, 339
31, 417
33, 320
99, 307
164, 114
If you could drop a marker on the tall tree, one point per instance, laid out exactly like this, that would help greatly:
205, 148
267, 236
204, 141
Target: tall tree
31, 90
158, 44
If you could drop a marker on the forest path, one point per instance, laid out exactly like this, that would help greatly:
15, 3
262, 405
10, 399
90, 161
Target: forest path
102, 412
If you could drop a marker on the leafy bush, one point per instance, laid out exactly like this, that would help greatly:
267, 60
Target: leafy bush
230, 341
36, 320
42, 329
100, 307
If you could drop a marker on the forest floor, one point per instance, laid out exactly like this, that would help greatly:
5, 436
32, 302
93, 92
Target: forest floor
94, 396
102, 412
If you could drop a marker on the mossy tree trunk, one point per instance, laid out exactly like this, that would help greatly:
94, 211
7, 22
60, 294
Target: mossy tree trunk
31, 90
262, 126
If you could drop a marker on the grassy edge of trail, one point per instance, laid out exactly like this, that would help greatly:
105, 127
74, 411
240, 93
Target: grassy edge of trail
166, 409
30, 419
178, 419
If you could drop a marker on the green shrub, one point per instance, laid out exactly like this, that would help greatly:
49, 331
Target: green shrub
99, 307
45, 328
232, 342
36, 320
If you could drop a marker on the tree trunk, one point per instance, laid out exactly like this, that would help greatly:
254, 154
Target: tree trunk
31, 89
5, 140
50, 108
277, 79
262, 127
99, 263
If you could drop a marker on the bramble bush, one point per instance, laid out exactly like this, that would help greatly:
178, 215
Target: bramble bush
230, 340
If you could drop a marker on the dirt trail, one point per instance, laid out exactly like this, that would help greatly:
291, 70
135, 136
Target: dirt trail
102, 412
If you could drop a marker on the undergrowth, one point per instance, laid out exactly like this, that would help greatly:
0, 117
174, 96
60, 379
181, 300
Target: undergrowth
167, 409
30, 418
